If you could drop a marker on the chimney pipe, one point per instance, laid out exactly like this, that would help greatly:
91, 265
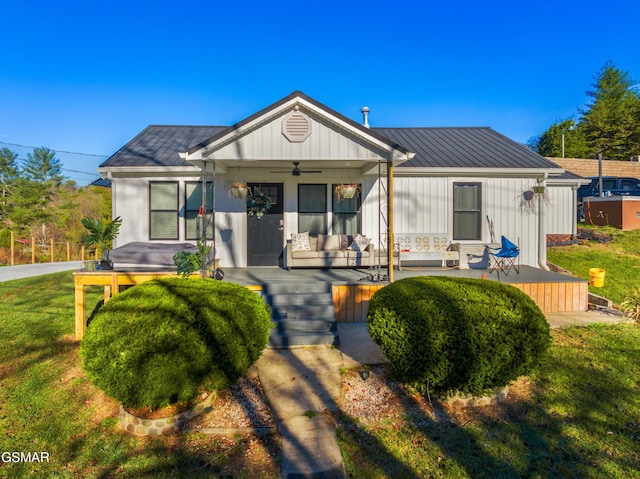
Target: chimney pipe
365, 116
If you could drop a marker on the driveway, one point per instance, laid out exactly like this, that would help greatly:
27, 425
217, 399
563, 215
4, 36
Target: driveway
8, 273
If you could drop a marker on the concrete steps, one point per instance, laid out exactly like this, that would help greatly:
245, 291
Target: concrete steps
303, 315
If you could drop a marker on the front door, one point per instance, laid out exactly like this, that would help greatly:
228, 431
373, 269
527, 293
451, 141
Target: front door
265, 235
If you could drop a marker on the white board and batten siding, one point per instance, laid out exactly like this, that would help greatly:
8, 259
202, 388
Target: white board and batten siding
421, 205
425, 205
561, 214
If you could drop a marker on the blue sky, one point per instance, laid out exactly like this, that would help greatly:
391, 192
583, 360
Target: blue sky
88, 76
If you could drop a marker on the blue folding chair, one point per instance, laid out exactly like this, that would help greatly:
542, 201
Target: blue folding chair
504, 258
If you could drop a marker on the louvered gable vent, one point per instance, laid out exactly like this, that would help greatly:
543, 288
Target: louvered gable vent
296, 127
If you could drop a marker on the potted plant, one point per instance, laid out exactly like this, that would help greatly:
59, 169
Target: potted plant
347, 191
238, 190
101, 233
188, 263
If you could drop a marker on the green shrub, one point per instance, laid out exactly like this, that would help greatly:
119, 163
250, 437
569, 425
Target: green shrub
453, 334
162, 341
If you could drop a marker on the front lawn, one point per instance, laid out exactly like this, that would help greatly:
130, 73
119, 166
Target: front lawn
577, 417
48, 405
620, 259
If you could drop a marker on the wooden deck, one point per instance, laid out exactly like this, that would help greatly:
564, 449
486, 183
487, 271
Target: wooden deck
351, 288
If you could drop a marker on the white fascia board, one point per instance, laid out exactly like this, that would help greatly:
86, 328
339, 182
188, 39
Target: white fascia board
567, 181
149, 170
200, 162
494, 172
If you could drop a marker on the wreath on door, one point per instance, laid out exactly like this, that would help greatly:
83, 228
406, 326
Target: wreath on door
258, 203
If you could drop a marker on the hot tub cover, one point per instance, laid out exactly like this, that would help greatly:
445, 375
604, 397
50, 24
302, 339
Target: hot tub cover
148, 254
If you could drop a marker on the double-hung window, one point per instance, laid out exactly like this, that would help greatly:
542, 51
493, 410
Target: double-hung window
312, 209
163, 210
467, 214
193, 222
346, 214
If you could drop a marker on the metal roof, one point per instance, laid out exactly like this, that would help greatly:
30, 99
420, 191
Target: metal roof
467, 148
463, 147
471, 147
159, 145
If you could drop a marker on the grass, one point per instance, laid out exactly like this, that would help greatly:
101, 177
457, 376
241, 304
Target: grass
581, 419
48, 405
620, 259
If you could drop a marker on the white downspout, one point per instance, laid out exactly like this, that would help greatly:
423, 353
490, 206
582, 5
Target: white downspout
542, 231
574, 202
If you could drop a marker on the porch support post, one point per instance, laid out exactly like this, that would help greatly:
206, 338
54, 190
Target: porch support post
390, 235
213, 214
203, 220
542, 230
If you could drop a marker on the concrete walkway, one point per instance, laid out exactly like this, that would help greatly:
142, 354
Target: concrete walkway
8, 273
303, 386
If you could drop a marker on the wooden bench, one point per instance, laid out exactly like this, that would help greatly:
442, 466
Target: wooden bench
424, 247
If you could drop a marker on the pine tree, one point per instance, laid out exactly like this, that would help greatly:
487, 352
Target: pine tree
35, 189
612, 120
8, 177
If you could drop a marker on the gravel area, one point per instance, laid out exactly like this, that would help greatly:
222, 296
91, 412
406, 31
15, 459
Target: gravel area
243, 405
378, 397
372, 398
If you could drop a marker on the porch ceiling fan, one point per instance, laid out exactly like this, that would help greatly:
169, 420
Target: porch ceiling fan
296, 170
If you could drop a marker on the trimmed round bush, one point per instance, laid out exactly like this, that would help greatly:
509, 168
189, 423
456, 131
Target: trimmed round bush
455, 334
164, 341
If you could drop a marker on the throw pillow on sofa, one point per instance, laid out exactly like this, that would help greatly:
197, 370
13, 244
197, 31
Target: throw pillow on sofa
359, 243
345, 241
300, 241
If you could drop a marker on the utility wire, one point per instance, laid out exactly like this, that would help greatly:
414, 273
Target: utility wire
24, 161
57, 151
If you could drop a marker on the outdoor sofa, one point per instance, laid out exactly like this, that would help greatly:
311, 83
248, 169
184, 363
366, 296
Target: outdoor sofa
328, 251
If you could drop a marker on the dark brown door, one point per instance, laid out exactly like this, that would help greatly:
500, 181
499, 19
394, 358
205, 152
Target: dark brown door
264, 235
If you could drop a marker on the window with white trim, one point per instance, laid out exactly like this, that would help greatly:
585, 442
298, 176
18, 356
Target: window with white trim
467, 214
193, 201
312, 209
346, 214
163, 210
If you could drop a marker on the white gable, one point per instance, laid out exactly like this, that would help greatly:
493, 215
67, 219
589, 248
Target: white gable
296, 131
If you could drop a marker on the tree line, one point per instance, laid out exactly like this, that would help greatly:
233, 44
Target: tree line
37, 201
609, 125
